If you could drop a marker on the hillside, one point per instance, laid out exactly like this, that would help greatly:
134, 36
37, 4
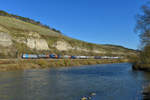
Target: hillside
19, 36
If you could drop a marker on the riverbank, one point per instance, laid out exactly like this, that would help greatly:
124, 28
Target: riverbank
146, 93
146, 68
139, 66
23, 64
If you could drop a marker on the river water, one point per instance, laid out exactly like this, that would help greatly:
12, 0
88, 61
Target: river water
108, 81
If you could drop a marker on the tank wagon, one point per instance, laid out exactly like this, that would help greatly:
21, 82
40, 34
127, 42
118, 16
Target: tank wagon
66, 57
30, 56
81, 57
43, 56
98, 57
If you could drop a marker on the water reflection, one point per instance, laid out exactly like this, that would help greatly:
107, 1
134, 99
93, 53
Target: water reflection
9, 85
109, 81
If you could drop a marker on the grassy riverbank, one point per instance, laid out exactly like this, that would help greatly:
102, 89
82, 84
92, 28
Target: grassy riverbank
22, 64
146, 93
140, 66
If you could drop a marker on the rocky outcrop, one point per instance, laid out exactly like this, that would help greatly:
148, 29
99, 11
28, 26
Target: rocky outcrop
34, 41
65, 46
38, 44
34, 34
5, 39
17, 36
62, 46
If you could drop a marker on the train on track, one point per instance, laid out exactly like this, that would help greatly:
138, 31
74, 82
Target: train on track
54, 56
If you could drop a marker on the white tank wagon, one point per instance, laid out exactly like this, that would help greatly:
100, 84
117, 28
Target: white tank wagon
81, 57
90, 57
66, 57
30, 56
43, 56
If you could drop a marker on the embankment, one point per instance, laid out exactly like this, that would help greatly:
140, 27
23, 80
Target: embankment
23, 64
146, 93
146, 68
141, 66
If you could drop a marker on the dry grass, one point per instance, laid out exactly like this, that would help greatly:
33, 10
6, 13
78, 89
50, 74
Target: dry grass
18, 29
6, 65
13, 24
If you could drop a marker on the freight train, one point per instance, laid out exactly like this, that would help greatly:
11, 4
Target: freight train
54, 56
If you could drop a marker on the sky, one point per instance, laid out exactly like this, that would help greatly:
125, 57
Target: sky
95, 21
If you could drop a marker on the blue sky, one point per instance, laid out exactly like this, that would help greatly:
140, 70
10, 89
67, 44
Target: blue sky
96, 21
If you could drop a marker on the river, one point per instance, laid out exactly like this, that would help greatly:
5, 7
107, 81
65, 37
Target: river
108, 81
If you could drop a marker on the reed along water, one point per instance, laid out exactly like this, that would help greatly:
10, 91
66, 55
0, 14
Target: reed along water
107, 81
